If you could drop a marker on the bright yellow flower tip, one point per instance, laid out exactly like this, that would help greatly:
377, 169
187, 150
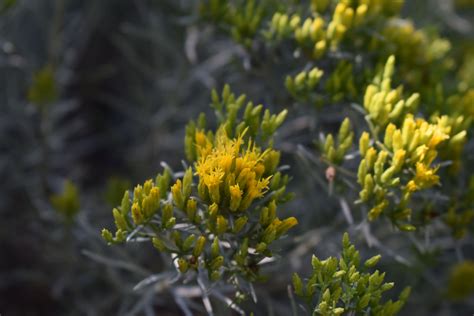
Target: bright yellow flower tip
235, 197
233, 169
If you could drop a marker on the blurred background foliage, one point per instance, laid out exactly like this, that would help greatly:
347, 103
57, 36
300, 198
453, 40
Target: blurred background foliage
96, 94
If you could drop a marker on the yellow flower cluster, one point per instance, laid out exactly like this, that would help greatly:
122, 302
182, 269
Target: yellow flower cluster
340, 84
412, 148
318, 33
414, 48
385, 104
335, 153
231, 175
227, 232
304, 83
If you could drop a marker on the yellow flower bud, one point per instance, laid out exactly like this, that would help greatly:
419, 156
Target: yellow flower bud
389, 135
147, 187
137, 214
364, 143
319, 49
377, 210
177, 194
370, 157
285, 225
398, 159
360, 14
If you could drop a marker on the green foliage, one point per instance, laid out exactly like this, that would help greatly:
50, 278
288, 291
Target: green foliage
241, 17
335, 152
225, 219
252, 124
7, 5
304, 83
43, 90
461, 281
343, 286
114, 189
67, 202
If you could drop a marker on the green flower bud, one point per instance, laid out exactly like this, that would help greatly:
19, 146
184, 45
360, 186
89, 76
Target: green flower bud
188, 242
125, 205
407, 228
183, 265
221, 225
213, 210
339, 274
107, 235
163, 181
387, 175
364, 301
215, 275
300, 79
326, 295
158, 244
120, 236
295, 21
120, 221
239, 224
216, 263
187, 183
328, 144
285, 225
389, 67
199, 246
387, 286
147, 187
412, 102
191, 208
261, 247
269, 234
280, 118
176, 236
297, 284
215, 248
316, 263
166, 212
345, 240
457, 139
344, 130
369, 263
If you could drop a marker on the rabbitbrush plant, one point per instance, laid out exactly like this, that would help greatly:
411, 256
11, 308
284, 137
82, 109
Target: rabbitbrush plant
388, 142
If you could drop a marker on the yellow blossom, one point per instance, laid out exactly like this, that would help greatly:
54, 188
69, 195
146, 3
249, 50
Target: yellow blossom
232, 168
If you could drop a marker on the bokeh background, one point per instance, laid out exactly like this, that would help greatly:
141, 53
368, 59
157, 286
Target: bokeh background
118, 80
